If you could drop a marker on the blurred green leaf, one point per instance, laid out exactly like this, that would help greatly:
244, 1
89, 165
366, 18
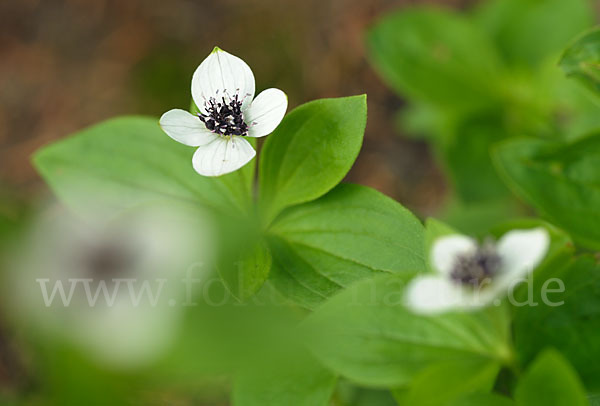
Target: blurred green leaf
443, 383
528, 31
569, 318
435, 229
419, 120
348, 394
478, 218
301, 383
560, 180
367, 335
466, 149
351, 233
311, 151
124, 161
483, 399
465, 94
550, 381
434, 56
245, 275
71, 379
582, 60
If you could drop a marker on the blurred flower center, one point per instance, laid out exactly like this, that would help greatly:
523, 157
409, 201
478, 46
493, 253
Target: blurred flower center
474, 268
108, 260
224, 117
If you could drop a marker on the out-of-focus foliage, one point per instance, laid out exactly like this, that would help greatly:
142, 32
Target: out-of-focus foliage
433, 55
582, 60
571, 327
476, 78
560, 180
300, 380
248, 272
550, 381
447, 382
527, 32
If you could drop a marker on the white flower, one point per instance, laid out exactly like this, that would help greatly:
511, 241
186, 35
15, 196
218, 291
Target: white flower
223, 90
471, 275
113, 288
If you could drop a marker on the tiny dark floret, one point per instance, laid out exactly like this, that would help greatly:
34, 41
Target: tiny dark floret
478, 267
107, 260
224, 118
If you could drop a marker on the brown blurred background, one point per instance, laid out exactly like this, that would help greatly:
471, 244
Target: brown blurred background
65, 64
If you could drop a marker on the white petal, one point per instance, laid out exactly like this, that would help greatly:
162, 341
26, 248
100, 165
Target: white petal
222, 73
223, 155
266, 112
521, 251
186, 128
446, 249
433, 294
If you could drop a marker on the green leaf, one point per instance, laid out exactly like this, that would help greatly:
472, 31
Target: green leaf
351, 233
435, 229
245, 275
485, 399
550, 381
80, 382
348, 394
529, 31
434, 56
582, 60
419, 120
446, 382
466, 153
296, 383
478, 218
367, 335
560, 180
124, 161
566, 316
311, 151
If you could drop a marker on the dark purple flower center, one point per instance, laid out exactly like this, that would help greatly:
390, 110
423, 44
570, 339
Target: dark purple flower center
106, 261
478, 267
224, 117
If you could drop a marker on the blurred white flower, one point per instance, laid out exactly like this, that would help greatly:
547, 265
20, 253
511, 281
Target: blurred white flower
471, 275
112, 288
223, 90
